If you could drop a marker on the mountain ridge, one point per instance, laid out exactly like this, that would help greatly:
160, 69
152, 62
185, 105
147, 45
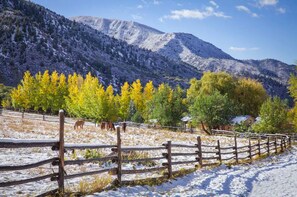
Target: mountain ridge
191, 50
36, 39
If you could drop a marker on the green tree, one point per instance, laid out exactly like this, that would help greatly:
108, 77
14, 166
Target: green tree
212, 110
249, 96
274, 117
5, 98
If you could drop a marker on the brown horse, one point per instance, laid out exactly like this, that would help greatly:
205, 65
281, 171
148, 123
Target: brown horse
79, 123
124, 126
102, 125
111, 126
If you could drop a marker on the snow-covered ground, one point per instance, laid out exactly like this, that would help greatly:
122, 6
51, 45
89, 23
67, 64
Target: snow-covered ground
274, 176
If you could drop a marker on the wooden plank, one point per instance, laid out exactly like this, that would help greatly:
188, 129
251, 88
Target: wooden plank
184, 145
199, 146
119, 151
255, 154
235, 147
61, 152
88, 146
27, 166
143, 170
243, 151
209, 158
209, 152
219, 152
11, 183
268, 146
227, 153
250, 149
242, 147
78, 162
140, 148
88, 173
244, 157
229, 158
144, 159
16, 143
182, 154
169, 159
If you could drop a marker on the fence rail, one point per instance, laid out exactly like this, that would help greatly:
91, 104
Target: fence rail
172, 154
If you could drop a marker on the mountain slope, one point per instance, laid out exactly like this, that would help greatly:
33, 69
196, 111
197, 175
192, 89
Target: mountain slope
34, 38
193, 51
173, 45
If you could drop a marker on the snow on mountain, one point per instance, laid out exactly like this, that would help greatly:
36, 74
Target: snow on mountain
203, 56
173, 45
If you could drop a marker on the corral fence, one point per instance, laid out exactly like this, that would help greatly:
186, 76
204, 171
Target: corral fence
172, 154
251, 135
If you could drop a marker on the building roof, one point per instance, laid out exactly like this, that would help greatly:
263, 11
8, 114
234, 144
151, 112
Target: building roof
240, 119
186, 119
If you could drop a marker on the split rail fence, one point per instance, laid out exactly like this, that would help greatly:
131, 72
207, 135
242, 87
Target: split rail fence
172, 154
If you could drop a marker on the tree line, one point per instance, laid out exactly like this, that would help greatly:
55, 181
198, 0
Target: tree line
211, 101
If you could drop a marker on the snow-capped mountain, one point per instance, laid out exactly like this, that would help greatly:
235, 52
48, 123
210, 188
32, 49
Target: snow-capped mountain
193, 51
36, 39
176, 46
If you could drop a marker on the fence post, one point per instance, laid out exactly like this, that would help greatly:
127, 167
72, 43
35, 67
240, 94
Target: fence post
61, 152
275, 145
250, 149
169, 159
290, 141
43, 117
285, 142
23, 114
268, 149
236, 152
282, 147
199, 151
259, 146
119, 148
219, 152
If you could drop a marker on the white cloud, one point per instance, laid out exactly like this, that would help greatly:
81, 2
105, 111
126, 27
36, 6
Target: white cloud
267, 2
194, 14
246, 10
281, 10
242, 49
136, 17
214, 4
140, 6
156, 2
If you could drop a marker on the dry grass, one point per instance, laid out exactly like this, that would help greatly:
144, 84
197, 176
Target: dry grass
97, 184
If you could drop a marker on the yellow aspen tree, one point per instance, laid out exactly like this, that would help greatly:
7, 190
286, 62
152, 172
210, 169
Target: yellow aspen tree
112, 111
44, 91
136, 95
148, 93
124, 101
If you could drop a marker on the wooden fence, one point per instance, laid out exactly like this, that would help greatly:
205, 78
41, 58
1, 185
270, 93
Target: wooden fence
172, 154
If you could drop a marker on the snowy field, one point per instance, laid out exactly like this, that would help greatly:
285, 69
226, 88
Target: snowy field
272, 177
274, 174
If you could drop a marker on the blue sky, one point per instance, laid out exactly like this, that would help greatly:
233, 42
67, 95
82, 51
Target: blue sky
245, 29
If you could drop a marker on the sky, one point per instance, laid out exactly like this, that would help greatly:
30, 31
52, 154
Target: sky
245, 29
